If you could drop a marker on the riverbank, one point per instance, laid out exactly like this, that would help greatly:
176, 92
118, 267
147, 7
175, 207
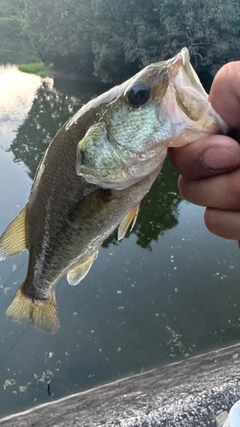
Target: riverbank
186, 394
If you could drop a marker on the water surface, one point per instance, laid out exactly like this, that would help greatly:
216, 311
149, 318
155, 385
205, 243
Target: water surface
168, 290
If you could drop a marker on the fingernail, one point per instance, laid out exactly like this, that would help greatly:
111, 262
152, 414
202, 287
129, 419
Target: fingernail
220, 158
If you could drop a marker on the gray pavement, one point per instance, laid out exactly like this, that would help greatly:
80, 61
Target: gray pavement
185, 394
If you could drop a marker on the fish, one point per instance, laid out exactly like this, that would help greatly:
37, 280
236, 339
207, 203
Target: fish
94, 175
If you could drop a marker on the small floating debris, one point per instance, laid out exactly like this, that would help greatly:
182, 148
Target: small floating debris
48, 388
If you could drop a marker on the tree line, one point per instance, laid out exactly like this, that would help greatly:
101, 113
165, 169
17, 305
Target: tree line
113, 39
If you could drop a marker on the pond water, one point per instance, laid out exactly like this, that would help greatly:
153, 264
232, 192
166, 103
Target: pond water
168, 290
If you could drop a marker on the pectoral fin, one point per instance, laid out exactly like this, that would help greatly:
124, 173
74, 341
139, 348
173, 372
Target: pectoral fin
13, 240
78, 273
129, 219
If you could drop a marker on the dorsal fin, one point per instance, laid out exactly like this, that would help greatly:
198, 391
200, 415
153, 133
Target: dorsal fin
13, 240
76, 274
129, 219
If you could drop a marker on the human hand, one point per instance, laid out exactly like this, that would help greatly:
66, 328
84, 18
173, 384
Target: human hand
210, 168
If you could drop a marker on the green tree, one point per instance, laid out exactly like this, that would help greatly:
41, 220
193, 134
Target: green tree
130, 34
15, 44
113, 40
210, 29
118, 49
61, 33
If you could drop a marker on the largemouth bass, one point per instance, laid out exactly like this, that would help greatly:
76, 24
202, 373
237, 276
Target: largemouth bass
94, 175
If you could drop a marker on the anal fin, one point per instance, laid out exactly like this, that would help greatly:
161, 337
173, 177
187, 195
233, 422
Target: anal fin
13, 240
76, 274
129, 219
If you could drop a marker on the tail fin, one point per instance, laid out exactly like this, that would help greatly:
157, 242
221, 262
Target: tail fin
43, 314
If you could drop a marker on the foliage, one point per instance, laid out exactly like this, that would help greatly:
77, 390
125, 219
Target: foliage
15, 44
60, 32
34, 68
113, 40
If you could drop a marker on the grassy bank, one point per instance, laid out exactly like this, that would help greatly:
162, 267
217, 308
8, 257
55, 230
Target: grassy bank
34, 68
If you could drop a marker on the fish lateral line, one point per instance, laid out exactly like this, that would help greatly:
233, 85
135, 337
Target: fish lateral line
107, 155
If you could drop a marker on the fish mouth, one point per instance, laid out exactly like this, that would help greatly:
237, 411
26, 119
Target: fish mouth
181, 65
191, 73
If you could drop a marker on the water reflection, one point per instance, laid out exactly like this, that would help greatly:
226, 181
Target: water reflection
167, 291
50, 110
51, 107
158, 211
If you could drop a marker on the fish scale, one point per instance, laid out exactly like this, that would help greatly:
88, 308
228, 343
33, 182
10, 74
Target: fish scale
95, 173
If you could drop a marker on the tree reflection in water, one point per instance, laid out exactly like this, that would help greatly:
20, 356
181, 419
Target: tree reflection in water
136, 309
50, 110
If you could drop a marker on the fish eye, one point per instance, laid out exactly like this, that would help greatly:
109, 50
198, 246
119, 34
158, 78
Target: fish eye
138, 94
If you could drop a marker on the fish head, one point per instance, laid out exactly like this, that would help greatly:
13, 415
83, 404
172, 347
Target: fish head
163, 105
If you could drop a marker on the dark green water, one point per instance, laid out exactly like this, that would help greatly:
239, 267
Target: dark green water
167, 291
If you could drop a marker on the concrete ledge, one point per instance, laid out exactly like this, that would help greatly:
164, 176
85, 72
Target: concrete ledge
188, 393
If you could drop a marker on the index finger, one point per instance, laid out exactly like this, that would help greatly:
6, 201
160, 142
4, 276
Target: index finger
225, 93
206, 157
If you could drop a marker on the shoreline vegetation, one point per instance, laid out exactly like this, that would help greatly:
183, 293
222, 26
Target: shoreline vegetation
111, 41
34, 68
